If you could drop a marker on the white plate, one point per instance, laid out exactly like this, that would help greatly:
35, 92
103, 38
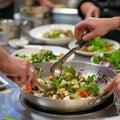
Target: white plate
116, 46
22, 41
37, 34
29, 49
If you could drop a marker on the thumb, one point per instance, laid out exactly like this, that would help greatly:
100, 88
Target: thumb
89, 36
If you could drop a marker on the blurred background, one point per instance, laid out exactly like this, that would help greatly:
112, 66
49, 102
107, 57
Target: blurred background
64, 11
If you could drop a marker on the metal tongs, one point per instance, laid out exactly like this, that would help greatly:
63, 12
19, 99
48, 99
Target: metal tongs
58, 65
100, 98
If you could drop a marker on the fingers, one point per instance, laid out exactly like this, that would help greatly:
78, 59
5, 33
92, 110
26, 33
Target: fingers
109, 87
13, 78
96, 15
114, 85
89, 36
31, 75
79, 29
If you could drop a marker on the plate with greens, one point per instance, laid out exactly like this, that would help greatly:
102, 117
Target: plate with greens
96, 45
110, 60
38, 54
55, 34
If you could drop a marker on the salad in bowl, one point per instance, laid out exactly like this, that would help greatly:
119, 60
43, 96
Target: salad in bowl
110, 60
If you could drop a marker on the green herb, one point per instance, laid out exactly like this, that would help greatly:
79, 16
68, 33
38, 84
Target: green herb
115, 59
69, 88
69, 69
40, 70
90, 86
56, 82
98, 44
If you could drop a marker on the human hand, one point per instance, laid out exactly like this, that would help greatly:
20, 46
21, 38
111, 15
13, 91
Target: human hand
93, 11
114, 85
95, 26
89, 9
17, 70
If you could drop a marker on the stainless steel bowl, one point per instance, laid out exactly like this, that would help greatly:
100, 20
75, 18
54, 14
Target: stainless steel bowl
70, 105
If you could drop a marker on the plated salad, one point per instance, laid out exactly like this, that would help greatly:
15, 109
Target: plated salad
97, 44
69, 85
58, 33
42, 56
111, 60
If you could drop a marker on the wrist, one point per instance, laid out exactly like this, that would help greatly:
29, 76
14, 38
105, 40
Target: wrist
112, 23
118, 24
4, 56
115, 22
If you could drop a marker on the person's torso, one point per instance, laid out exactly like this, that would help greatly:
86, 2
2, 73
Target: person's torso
110, 8
109, 3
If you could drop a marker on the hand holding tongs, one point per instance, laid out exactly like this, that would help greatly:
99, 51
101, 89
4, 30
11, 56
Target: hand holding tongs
58, 64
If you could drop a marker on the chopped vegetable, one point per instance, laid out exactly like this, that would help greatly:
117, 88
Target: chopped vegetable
111, 60
83, 94
69, 85
28, 89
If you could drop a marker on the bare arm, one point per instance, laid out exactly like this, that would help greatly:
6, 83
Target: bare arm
16, 68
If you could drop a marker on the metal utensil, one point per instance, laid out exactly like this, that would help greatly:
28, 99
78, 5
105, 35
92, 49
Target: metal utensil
99, 98
58, 64
43, 87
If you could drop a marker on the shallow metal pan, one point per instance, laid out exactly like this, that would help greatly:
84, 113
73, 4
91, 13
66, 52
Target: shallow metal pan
70, 105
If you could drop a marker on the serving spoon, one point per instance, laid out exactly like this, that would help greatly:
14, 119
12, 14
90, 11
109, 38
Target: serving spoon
58, 65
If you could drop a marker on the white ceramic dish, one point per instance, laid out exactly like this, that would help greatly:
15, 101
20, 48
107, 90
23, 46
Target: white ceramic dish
29, 49
22, 41
37, 34
116, 46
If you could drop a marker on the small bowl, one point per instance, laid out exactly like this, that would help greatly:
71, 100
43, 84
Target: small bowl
16, 43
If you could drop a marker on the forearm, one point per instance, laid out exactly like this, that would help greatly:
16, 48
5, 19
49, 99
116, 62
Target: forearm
3, 58
113, 23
